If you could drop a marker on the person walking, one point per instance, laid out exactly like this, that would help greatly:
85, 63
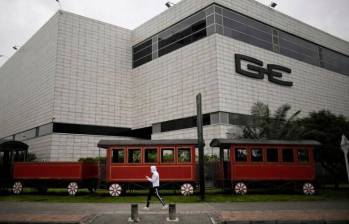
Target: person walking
154, 188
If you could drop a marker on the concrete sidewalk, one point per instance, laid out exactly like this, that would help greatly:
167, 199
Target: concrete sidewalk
203, 213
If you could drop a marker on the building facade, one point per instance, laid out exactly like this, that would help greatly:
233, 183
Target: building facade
78, 80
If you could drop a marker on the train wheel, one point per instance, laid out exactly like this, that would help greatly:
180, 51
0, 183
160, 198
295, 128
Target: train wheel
72, 188
187, 189
240, 188
115, 190
308, 189
17, 187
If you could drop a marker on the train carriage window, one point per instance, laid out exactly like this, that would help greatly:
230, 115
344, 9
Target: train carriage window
226, 155
134, 155
184, 155
167, 155
287, 155
1, 159
118, 156
256, 155
150, 155
302, 155
272, 155
240, 154
19, 156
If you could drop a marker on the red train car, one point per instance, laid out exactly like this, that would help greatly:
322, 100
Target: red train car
10, 152
245, 162
128, 162
42, 175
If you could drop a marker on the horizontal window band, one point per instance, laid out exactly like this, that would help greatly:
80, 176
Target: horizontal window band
101, 130
142, 45
261, 36
183, 123
218, 117
136, 59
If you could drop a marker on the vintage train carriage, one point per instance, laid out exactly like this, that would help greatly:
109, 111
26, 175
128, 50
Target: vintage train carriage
11, 151
128, 162
43, 175
246, 162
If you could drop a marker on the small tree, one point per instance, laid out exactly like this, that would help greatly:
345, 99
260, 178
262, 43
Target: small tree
265, 125
31, 157
327, 128
92, 159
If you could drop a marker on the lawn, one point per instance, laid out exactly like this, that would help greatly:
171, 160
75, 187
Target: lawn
215, 195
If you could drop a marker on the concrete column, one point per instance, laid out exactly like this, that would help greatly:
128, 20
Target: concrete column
134, 213
172, 213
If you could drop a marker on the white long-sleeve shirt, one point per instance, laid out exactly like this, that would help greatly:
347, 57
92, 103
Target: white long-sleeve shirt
155, 178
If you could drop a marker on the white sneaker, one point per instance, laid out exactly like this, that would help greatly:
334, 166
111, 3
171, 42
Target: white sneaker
146, 208
165, 207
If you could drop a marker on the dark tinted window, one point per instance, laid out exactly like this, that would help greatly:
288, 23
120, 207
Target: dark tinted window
183, 33
142, 45
240, 27
335, 61
142, 61
118, 156
184, 155
287, 155
296, 55
235, 25
256, 155
198, 35
298, 41
146, 51
299, 51
267, 37
235, 16
272, 155
260, 43
259, 26
142, 53
19, 156
297, 48
248, 30
302, 155
248, 33
167, 155
1, 159
134, 155
238, 119
226, 155
150, 155
240, 154
235, 34
183, 123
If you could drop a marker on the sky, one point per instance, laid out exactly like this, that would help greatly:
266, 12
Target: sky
20, 19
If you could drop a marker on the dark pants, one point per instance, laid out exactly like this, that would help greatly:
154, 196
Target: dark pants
155, 190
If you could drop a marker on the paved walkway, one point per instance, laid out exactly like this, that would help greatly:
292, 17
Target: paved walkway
94, 213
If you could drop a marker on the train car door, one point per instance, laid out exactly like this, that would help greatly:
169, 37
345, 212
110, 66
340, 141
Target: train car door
5, 165
8, 158
11, 151
226, 168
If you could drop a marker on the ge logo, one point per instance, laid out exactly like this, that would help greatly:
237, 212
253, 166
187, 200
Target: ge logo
256, 70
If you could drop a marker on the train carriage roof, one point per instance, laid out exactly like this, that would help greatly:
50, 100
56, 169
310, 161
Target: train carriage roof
12, 145
107, 143
220, 142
